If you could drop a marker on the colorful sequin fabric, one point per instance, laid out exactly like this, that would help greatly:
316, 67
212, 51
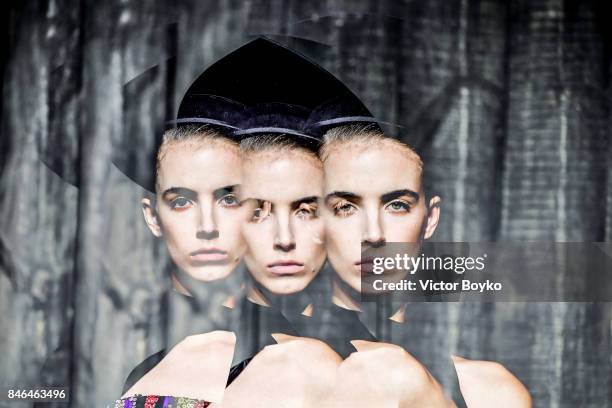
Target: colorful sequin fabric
190, 403
155, 401
151, 401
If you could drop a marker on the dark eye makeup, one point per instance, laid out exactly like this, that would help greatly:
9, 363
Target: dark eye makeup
307, 211
262, 211
179, 203
229, 201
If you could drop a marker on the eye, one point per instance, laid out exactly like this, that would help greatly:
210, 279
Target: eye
263, 210
180, 203
229, 200
306, 211
344, 209
398, 207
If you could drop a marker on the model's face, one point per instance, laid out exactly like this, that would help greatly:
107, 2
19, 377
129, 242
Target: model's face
284, 235
197, 210
373, 195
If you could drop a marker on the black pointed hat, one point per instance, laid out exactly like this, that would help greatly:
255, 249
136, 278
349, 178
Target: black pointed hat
263, 71
135, 154
286, 92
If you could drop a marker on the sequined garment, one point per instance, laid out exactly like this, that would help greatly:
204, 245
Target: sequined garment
155, 401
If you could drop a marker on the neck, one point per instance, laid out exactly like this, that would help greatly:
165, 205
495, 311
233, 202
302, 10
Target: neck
178, 286
254, 295
302, 302
341, 296
200, 291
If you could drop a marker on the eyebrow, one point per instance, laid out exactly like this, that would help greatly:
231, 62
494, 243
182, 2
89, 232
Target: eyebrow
392, 195
342, 194
305, 200
223, 191
182, 191
192, 195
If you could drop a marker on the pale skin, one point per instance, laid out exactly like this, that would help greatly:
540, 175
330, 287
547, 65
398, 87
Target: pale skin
196, 368
384, 375
303, 372
316, 366
296, 372
489, 384
285, 235
373, 194
196, 210
189, 209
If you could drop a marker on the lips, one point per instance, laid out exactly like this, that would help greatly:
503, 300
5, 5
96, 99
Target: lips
365, 266
284, 268
209, 255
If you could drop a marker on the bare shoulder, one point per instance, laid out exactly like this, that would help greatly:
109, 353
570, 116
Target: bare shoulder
489, 383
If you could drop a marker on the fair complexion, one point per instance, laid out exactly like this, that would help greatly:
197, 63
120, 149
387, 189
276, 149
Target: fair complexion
285, 235
196, 210
197, 367
314, 375
373, 194
384, 375
490, 384
295, 372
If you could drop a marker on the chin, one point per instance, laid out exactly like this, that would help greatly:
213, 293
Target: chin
210, 273
287, 288
355, 285
352, 280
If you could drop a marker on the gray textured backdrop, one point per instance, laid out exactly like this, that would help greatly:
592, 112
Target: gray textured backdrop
509, 99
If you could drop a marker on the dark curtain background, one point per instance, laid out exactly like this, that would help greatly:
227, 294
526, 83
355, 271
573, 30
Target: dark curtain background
509, 102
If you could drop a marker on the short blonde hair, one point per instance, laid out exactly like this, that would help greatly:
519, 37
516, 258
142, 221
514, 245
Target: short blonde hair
364, 135
281, 143
197, 135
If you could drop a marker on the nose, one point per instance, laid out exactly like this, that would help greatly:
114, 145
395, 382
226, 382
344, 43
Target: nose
373, 234
284, 239
207, 227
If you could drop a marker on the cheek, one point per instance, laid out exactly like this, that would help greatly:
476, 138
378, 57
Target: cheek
344, 238
405, 228
229, 224
178, 228
258, 237
343, 231
310, 234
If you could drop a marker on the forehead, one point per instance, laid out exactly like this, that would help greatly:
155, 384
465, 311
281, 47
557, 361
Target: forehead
281, 176
199, 166
371, 169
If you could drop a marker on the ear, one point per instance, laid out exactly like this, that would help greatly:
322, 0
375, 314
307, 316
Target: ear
433, 216
150, 216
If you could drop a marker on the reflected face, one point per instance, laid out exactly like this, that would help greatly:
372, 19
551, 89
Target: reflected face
284, 234
197, 211
373, 195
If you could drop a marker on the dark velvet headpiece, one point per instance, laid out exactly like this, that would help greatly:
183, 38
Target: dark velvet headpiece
284, 92
339, 111
277, 119
212, 110
138, 162
273, 118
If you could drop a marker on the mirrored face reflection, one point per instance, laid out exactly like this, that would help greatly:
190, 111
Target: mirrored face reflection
197, 211
285, 234
373, 195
